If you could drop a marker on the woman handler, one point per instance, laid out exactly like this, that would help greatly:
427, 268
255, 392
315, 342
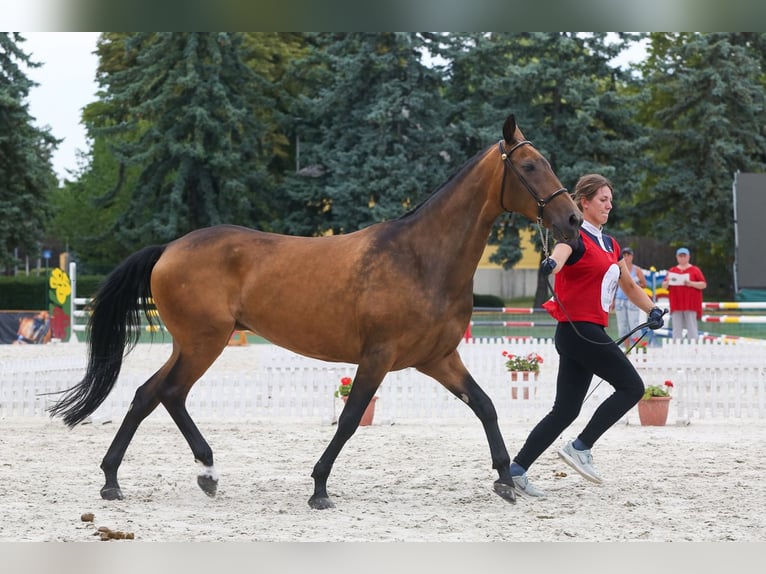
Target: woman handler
587, 274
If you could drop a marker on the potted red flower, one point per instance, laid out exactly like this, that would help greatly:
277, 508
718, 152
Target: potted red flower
653, 406
522, 368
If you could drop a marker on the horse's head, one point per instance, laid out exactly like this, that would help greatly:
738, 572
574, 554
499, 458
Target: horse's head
533, 189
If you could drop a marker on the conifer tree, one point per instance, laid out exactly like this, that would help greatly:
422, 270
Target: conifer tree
26, 173
372, 139
186, 106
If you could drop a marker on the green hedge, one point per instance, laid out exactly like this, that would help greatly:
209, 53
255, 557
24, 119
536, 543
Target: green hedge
30, 292
87, 285
487, 301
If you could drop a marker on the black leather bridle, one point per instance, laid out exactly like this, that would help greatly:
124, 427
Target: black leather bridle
541, 201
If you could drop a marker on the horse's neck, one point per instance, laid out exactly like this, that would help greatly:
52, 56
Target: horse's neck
454, 225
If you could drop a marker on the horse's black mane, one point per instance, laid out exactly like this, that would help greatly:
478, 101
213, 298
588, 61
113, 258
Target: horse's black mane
467, 165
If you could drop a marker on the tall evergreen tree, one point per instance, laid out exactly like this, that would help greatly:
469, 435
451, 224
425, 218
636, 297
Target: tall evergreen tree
270, 55
26, 173
373, 142
186, 109
707, 108
80, 221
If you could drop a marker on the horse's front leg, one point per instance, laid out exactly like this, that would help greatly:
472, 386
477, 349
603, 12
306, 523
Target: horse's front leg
366, 382
452, 374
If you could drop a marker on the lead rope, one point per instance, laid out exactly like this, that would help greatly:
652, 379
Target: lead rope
543, 236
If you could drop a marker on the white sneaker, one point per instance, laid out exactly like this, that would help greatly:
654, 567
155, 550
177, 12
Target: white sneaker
581, 461
525, 488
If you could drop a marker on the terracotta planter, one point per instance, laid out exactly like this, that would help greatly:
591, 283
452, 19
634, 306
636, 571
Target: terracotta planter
369, 412
522, 376
653, 411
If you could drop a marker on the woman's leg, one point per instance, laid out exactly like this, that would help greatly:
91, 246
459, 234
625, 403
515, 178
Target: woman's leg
572, 383
623, 317
677, 324
609, 363
634, 314
691, 325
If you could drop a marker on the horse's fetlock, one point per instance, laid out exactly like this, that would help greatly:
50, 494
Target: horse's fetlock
207, 471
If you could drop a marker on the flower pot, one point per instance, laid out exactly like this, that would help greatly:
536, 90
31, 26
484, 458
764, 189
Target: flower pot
369, 412
522, 376
653, 411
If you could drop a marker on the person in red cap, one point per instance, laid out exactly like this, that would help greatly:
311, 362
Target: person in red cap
684, 283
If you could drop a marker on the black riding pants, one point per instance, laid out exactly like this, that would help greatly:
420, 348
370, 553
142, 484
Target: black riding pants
584, 349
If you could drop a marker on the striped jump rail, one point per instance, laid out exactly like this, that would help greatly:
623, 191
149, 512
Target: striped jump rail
734, 305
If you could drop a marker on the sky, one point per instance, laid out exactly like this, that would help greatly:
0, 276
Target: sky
67, 83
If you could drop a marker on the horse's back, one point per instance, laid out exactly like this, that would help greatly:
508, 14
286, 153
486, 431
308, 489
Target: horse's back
326, 297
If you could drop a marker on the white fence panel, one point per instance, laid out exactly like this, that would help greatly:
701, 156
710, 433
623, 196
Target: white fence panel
712, 379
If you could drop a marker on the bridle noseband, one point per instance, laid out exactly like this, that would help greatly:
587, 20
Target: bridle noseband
541, 202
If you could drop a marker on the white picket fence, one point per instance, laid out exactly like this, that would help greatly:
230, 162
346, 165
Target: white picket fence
711, 380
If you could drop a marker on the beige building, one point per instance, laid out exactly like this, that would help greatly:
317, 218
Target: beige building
521, 281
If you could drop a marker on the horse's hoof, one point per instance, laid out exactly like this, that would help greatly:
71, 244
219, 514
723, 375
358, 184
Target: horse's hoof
506, 491
111, 493
208, 485
320, 503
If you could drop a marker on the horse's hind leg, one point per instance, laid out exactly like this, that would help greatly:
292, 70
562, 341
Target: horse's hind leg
173, 398
144, 402
169, 386
451, 372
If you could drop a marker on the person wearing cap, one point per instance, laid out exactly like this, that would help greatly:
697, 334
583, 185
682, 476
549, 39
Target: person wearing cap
629, 316
684, 283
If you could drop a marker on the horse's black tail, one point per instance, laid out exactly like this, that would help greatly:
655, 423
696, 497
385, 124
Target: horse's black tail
114, 329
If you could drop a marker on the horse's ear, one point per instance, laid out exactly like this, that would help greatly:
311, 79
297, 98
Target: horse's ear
509, 129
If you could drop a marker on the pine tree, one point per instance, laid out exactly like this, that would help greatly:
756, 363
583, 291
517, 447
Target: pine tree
186, 105
373, 143
26, 174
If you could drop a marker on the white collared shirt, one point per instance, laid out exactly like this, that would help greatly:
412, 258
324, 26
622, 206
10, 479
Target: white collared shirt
595, 232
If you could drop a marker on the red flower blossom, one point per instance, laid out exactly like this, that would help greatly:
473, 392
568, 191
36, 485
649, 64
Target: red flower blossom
344, 388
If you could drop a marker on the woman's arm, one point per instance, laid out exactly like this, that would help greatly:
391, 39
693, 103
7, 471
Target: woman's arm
560, 254
635, 293
641, 277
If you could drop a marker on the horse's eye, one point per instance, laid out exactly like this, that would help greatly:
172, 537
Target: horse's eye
528, 167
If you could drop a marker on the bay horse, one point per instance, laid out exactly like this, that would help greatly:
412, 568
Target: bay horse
393, 295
